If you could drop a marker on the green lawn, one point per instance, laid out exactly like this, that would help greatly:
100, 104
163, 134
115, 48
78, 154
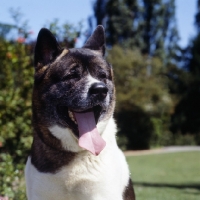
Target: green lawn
171, 176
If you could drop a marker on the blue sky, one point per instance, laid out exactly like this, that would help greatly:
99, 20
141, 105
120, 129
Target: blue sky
73, 11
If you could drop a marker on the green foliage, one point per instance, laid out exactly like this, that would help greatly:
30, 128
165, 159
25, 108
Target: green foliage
139, 81
143, 101
12, 178
16, 80
147, 112
15, 104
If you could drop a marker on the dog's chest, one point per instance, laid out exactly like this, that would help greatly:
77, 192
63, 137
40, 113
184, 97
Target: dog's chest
84, 174
87, 177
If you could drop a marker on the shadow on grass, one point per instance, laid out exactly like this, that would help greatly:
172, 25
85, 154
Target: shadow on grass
176, 186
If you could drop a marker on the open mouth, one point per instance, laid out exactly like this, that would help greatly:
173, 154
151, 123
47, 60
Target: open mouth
68, 118
83, 124
96, 110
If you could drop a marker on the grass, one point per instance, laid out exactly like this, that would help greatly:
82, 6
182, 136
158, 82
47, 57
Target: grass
172, 176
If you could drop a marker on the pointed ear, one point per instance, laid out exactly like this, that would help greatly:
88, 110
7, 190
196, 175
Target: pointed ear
97, 40
46, 49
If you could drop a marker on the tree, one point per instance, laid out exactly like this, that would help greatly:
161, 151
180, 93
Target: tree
118, 18
143, 103
186, 119
146, 25
160, 33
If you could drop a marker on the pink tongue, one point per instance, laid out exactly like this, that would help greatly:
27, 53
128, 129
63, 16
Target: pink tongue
89, 137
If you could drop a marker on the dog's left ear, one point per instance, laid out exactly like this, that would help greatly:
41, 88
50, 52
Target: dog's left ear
97, 40
46, 49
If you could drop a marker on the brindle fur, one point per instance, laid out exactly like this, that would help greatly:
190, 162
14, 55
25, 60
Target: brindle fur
59, 81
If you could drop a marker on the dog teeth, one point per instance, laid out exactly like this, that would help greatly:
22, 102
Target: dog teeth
72, 116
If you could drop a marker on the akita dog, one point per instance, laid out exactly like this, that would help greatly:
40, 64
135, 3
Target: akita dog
74, 155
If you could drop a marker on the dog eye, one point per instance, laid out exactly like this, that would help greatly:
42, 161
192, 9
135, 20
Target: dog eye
102, 76
71, 76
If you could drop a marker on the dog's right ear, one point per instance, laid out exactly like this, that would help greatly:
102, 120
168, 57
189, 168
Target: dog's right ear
97, 40
46, 49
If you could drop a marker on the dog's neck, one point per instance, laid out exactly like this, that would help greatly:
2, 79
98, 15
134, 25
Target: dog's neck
44, 155
57, 142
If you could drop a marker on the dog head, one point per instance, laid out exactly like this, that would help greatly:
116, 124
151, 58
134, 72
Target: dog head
73, 87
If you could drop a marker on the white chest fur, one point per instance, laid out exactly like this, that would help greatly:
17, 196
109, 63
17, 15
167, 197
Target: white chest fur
87, 177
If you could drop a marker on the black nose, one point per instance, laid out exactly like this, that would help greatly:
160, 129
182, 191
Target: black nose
98, 89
